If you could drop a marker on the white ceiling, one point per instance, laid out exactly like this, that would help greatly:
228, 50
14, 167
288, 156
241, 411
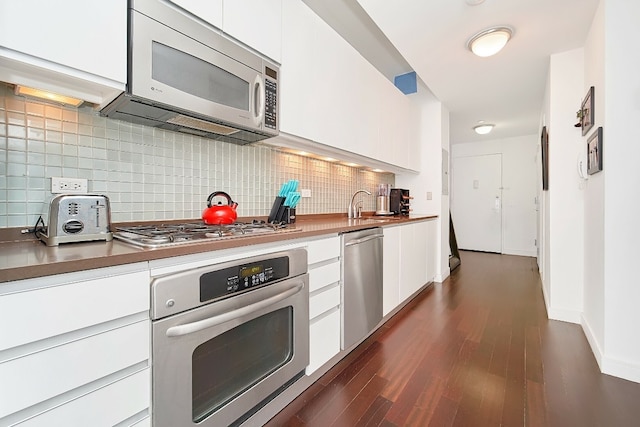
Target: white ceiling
430, 37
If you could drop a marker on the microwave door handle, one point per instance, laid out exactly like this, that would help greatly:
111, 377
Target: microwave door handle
258, 100
190, 328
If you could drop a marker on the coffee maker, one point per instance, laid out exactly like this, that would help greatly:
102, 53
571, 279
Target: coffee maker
399, 201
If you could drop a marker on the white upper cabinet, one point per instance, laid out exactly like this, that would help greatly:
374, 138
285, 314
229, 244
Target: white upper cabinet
209, 11
332, 95
257, 23
298, 93
76, 48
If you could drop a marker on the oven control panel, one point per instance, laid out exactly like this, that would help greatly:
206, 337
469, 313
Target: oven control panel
231, 280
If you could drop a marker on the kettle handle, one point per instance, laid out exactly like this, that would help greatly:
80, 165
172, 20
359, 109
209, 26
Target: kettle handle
221, 193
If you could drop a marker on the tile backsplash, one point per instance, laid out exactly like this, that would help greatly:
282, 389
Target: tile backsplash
148, 173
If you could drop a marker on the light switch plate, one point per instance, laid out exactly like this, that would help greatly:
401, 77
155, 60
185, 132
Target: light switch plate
305, 192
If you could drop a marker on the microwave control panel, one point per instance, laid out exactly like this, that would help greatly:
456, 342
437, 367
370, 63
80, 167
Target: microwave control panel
271, 99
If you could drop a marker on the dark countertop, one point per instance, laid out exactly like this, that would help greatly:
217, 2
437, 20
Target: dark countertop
25, 259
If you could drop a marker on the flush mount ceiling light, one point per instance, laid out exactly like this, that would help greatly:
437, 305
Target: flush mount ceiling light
48, 96
483, 128
489, 42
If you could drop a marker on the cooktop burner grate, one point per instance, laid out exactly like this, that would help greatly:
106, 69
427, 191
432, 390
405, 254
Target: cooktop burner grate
160, 235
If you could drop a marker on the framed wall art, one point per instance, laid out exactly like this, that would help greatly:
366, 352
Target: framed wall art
594, 152
587, 111
544, 144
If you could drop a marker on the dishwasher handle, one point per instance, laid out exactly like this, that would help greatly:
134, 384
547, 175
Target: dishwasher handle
363, 240
189, 328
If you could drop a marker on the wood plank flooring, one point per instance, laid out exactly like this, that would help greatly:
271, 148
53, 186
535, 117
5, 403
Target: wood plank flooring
476, 350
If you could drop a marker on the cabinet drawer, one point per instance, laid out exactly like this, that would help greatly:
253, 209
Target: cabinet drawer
322, 276
324, 249
324, 340
45, 374
106, 406
324, 300
46, 312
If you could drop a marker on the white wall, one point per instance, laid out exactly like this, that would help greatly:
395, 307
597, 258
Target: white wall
621, 176
519, 179
564, 201
434, 135
608, 205
593, 312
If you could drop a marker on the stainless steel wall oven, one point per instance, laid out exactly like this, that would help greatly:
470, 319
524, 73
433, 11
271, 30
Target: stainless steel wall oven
227, 338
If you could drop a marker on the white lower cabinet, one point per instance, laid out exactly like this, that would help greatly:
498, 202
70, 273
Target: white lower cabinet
409, 261
390, 269
106, 406
324, 301
324, 334
413, 258
75, 348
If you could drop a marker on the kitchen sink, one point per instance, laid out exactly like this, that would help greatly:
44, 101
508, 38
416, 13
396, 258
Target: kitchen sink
369, 220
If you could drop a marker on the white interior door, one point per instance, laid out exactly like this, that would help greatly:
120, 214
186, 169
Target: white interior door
476, 205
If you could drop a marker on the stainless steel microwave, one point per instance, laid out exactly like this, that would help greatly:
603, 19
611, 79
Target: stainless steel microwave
185, 75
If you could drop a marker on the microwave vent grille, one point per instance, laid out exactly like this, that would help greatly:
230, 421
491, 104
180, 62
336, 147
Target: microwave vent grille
202, 125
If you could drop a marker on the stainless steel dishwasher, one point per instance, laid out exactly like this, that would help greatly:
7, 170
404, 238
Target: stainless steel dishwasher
361, 274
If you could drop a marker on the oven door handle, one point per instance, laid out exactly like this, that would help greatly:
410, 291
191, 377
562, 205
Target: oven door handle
189, 328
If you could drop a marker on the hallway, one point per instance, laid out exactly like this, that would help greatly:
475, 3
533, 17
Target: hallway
476, 350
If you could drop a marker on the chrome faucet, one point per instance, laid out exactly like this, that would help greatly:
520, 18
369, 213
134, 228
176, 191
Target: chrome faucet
352, 213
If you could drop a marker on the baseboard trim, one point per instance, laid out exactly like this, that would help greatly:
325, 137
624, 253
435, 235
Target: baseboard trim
593, 342
441, 277
618, 368
563, 315
519, 252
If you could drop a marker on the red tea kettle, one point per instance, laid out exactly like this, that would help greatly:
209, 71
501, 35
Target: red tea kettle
219, 213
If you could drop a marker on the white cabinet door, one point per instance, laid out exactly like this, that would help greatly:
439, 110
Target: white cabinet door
104, 407
298, 74
324, 301
413, 258
46, 374
324, 339
209, 11
257, 23
331, 95
76, 48
391, 269
69, 341
323, 249
432, 249
56, 310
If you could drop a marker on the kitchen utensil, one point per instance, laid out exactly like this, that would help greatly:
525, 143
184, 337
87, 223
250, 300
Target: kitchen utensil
294, 200
291, 197
275, 209
76, 218
219, 213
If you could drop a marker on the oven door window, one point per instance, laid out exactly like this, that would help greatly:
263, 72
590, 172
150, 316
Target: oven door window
231, 363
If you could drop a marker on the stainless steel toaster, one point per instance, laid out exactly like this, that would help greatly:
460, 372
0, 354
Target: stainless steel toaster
77, 218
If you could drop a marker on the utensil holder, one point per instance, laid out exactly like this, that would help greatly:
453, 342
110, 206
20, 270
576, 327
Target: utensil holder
289, 216
276, 210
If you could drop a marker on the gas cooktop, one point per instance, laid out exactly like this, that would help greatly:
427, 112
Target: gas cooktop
162, 235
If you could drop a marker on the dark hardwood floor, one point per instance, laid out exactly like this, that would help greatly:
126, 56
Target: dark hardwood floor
476, 350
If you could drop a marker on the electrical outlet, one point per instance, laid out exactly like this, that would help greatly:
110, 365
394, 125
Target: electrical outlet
305, 192
69, 185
